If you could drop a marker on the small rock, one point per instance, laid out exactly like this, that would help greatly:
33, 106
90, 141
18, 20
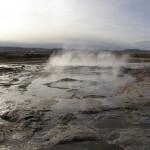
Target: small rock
70, 133
91, 111
2, 137
15, 79
65, 119
114, 135
10, 116
21, 116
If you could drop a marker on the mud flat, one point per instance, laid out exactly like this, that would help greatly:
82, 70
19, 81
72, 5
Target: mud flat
74, 107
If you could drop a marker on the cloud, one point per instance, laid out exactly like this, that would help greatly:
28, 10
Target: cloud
107, 23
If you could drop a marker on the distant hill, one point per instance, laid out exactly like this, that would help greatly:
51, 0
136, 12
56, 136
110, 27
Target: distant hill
25, 54
132, 49
7, 48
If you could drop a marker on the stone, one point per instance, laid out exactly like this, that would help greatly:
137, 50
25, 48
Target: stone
65, 119
70, 133
21, 116
2, 137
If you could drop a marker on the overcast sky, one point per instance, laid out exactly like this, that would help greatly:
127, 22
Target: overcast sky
105, 24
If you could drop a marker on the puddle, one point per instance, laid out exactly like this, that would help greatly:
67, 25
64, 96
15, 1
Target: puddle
58, 84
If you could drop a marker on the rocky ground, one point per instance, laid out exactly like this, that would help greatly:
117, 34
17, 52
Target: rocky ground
39, 111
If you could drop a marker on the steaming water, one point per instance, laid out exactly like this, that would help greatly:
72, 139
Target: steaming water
68, 79
72, 75
68, 85
87, 83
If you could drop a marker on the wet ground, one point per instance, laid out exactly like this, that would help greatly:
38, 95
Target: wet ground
75, 107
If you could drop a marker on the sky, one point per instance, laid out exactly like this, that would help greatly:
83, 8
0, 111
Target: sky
99, 24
